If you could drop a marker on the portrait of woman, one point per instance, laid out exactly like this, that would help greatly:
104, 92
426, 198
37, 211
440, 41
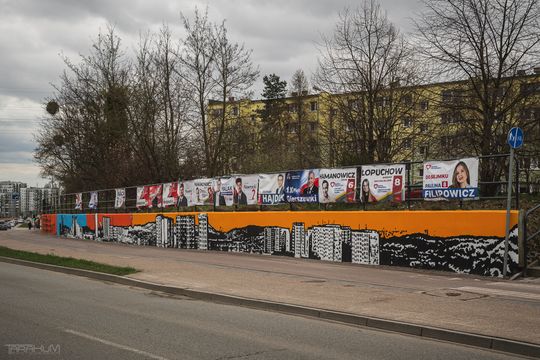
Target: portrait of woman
365, 194
461, 177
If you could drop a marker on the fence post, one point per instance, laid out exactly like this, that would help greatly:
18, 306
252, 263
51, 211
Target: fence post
408, 167
517, 182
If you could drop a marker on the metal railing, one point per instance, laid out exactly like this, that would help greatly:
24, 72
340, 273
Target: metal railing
65, 203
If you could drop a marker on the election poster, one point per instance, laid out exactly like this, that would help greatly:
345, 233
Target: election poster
185, 189
120, 198
302, 186
245, 189
223, 191
382, 182
271, 189
337, 185
149, 196
93, 203
455, 179
170, 194
78, 201
202, 192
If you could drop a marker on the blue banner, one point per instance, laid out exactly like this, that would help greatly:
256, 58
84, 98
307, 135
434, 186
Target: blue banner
302, 186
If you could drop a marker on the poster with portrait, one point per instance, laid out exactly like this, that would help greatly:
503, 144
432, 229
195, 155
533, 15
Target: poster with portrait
223, 191
382, 182
186, 189
337, 185
272, 189
93, 203
202, 192
302, 186
455, 179
78, 201
245, 189
170, 194
149, 196
120, 198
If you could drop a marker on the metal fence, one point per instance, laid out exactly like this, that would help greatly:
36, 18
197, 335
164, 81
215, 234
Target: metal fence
489, 190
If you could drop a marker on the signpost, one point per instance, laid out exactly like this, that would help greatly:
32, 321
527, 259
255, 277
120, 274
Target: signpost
515, 140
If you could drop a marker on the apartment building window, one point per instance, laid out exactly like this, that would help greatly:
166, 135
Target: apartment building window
234, 111
407, 121
407, 143
423, 128
530, 89
451, 117
423, 151
293, 108
452, 96
382, 101
407, 99
313, 106
217, 112
312, 126
424, 104
354, 104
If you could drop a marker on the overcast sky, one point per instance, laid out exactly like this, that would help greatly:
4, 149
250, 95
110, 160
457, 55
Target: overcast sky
33, 33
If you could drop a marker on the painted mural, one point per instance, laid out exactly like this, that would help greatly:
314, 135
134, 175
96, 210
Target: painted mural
456, 241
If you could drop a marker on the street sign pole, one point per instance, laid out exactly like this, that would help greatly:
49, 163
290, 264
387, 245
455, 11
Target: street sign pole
508, 206
515, 140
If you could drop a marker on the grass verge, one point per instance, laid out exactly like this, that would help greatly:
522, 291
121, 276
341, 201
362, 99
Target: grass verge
66, 262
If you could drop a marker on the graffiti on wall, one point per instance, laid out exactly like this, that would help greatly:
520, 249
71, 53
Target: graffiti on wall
456, 241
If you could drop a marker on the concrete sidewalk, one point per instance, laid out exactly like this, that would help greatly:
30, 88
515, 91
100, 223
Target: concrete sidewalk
484, 306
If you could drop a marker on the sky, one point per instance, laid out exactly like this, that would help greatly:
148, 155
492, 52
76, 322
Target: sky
35, 34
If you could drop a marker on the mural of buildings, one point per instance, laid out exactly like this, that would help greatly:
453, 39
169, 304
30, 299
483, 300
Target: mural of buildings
328, 242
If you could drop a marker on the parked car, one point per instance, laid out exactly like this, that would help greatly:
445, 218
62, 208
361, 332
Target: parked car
4, 226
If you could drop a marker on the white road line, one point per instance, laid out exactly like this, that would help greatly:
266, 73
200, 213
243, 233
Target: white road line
499, 292
120, 346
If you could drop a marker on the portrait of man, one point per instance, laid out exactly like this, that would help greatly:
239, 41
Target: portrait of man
219, 199
240, 197
325, 196
182, 199
311, 188
280, 183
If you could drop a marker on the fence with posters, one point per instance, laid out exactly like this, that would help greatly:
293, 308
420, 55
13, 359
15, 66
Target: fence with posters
366, 185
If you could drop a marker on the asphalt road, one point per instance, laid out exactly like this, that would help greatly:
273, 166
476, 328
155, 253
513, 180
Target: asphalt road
73, 317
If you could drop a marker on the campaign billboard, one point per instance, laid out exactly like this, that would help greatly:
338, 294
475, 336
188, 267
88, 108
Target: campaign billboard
302, 186
382, 182
337, 185
93, 203
202, 193
245, 189
78, 201
120, 198
271, 189
183, 189
149, 196
170, 194
223, 191
455, 179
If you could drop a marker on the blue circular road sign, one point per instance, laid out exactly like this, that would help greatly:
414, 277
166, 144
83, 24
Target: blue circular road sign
515, 137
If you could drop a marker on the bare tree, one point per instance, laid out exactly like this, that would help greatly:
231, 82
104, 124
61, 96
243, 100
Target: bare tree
197, 69
485, 44
234, 76
367, 60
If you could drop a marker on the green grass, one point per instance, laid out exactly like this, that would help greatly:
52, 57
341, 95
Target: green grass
66, 262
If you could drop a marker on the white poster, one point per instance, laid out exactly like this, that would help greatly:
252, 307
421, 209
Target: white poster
382, 182
455, 179
93, 203
78, 201
245, 189
202, 192
120, 198
271, 189
337, 185
223, 191
170, 194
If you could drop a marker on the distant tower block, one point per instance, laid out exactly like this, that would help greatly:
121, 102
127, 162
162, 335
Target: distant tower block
107, 230
185, 231
203, 232
164, 231
374, 248
326, 241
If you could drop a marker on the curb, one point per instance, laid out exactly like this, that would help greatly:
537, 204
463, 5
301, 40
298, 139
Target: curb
464, 338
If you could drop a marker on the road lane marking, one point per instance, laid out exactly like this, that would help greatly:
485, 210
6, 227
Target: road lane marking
110, 343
